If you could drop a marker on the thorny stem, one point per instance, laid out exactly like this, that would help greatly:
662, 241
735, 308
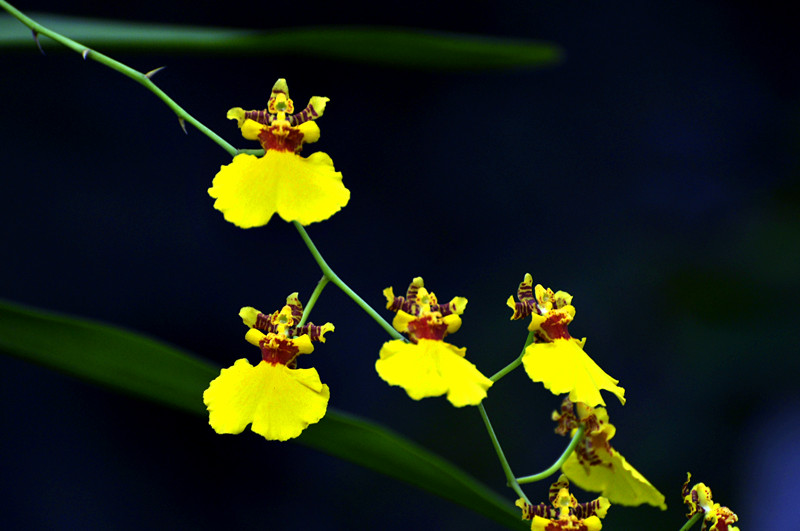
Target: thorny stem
333, 277
512, 482
693, 520
313, 299
560, 461
328, 274
139, 77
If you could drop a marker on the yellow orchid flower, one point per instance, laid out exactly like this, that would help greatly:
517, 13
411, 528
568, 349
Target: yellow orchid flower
555, 358
250, 189
595, 465
279, 399
427, 366
564, 512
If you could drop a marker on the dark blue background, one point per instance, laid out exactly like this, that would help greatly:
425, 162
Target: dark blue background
653, 175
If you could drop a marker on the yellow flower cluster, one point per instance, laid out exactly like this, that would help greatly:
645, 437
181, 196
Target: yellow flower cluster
281, 400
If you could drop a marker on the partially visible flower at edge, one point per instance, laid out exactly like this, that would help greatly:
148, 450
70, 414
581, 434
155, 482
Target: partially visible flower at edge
250, 189
428, 366
698, 498
278, 398
564, 512
595, 465
555, 358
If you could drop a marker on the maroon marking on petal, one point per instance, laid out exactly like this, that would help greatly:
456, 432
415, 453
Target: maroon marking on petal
281, 138
263, 322
567, 421
523, 309
397, 304
586, 451
444, 309
409, 306
587, 509
304, 116
525, 291
275, 350
555, 326
542, 510
555, 488
262, 117
314, 332
411, 293
426, 327
297, 309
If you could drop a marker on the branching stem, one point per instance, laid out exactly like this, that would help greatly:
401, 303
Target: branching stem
333, 277
559, 462
313, 299
514, 364
512, 482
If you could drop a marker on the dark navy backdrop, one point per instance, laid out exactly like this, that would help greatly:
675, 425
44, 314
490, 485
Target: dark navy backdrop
653, 175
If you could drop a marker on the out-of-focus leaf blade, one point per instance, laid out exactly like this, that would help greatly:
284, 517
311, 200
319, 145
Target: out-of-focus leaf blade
398, 47
109, 356
127, 362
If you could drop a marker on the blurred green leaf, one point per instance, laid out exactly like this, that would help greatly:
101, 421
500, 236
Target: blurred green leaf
406, 48
133, 364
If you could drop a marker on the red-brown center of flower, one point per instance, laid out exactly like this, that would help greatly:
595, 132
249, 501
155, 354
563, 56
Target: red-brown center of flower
555, 325
427, 327
280, 136
275, 350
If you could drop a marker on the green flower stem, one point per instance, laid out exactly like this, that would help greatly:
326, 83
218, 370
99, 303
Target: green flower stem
560, 461
512, 482
514, 364
693, 520
139, 77
313, 299
330, 275
256, 152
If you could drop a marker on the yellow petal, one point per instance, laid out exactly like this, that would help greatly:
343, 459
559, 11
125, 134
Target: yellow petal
614, 478
592, 523
237, 113
401, 320
310, 132
432, 368
540, 524
280, 402
563, 367
453, 322
249, 315
250, 189
251, 129
318, 103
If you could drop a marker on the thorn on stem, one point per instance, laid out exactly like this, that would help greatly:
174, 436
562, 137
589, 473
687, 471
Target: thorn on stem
153, 72
38, 44
85, 53
183, 125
